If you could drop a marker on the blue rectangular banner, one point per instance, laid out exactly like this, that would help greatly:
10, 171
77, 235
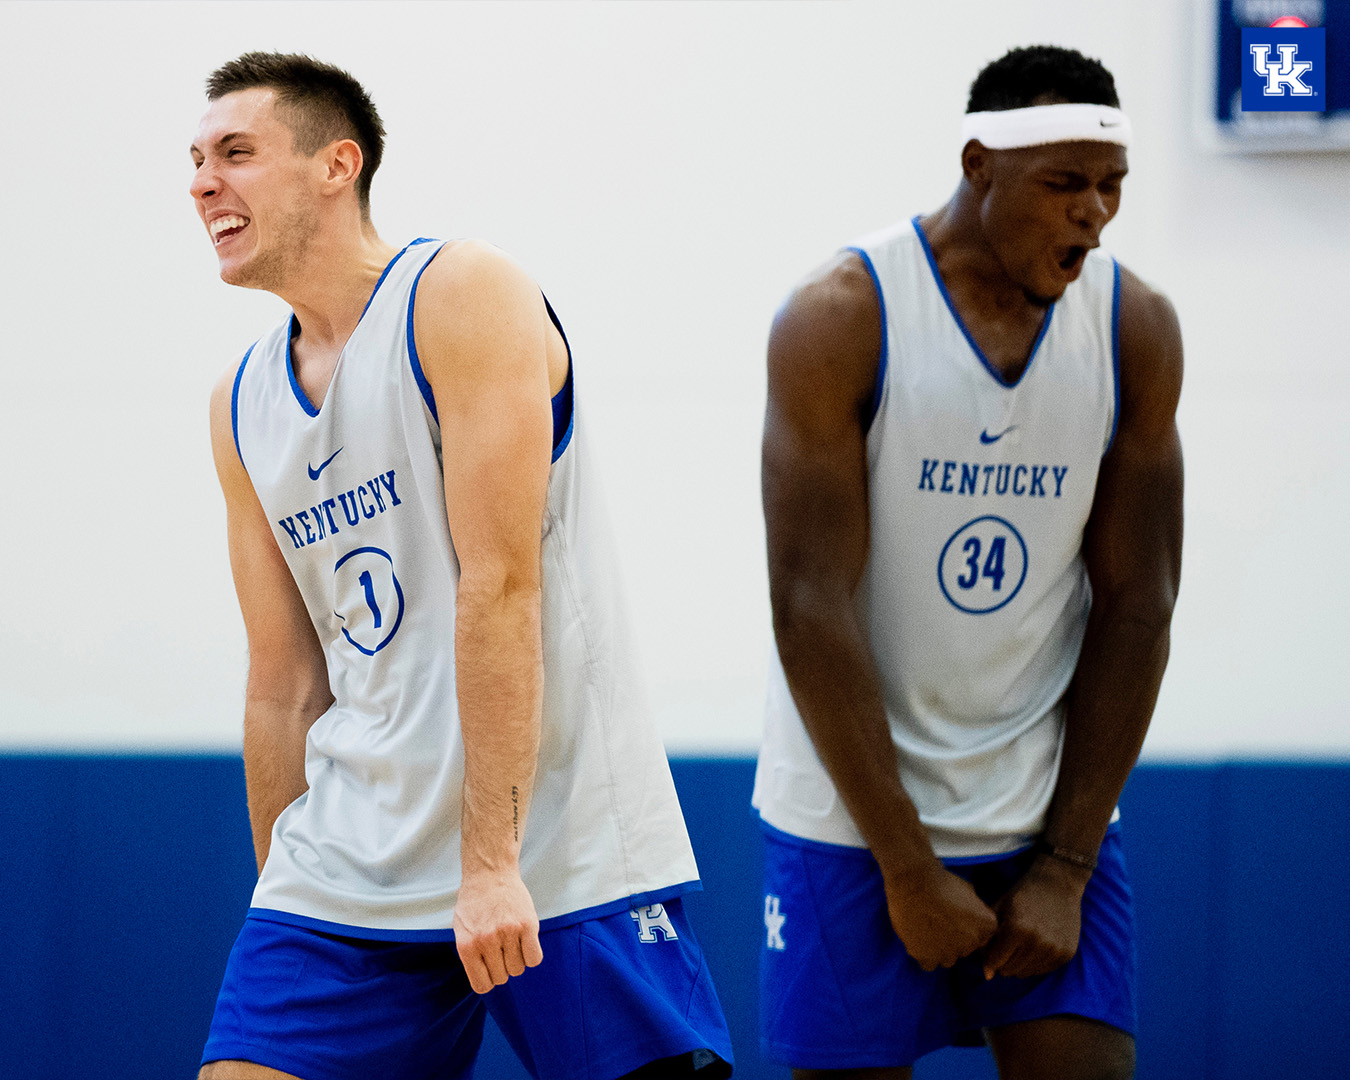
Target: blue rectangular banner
1284, 69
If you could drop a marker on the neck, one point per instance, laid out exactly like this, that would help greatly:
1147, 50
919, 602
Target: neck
964, 256
334, 280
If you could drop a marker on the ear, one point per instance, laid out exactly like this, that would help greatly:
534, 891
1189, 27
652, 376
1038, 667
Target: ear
975, 164
342, 161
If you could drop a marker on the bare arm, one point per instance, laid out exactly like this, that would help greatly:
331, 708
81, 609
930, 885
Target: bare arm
1132, 547
287, 677
823, 356
481, 336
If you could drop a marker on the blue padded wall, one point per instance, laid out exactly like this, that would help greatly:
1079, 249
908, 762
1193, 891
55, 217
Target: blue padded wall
126, 879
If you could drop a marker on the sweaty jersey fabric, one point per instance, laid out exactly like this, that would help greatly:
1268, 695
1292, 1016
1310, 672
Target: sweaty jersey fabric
974, 597
355, 496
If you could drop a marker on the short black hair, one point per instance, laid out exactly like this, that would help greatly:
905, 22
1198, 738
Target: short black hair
321, 102
1019, 77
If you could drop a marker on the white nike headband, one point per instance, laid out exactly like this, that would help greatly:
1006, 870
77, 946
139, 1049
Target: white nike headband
1041, 124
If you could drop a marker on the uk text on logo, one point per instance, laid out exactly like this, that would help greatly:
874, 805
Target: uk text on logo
1284, 69
773, 922
1287, 75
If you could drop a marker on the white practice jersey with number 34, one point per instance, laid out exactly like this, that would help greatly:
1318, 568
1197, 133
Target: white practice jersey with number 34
354, 493
974, 598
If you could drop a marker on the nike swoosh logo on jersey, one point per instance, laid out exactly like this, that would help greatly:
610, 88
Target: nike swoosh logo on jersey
1113, 123
987, 439
314, 473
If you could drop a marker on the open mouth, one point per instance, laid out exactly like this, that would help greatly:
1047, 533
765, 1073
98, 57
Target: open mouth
227, 227
1072, 261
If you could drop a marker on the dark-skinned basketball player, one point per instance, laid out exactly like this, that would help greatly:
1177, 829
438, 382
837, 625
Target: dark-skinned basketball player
972, 484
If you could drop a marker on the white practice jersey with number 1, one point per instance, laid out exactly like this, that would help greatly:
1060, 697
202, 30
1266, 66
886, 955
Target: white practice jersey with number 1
354, 494
975, 597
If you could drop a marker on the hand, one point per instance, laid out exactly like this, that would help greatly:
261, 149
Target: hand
496, 929
1039, 920
938, 917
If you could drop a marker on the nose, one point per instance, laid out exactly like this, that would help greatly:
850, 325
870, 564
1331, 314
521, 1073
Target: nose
205, 183
1091, 210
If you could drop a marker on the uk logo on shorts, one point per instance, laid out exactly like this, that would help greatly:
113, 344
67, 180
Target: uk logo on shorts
651, 920
773, 922
1284, 69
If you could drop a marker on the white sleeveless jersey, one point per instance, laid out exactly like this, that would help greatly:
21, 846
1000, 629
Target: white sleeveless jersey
355, 496
974, 597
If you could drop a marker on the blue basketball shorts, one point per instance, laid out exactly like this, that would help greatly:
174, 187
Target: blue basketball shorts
611, 995
839, 991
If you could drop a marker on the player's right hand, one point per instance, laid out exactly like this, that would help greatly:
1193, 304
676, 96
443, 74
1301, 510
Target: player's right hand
938, 917
496, 929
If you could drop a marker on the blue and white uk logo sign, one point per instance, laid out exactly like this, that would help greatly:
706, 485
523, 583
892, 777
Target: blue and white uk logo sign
1284, 69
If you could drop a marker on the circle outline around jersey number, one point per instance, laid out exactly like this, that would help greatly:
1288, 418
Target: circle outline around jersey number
1026, 561
398, 589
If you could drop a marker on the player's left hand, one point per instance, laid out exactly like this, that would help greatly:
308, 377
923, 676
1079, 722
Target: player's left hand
496, 929
1039, 920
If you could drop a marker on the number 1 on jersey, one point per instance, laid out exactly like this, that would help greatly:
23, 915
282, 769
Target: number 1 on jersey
369, 586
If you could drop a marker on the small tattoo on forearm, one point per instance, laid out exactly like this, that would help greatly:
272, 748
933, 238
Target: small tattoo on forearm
515, 811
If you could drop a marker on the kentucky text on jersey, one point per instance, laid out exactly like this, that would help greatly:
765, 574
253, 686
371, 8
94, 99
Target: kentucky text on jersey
1007, 479
356, 504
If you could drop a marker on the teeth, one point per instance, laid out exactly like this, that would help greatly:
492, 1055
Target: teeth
233, 221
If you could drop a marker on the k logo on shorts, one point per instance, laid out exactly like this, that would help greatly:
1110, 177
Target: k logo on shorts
773, 922
652, 918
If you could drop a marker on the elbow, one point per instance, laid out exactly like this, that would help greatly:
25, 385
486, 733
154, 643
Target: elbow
1143, 617
804, 615
491, 587
287, 694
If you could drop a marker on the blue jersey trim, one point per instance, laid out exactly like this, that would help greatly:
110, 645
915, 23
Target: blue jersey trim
813, 845
885, 337
372, 933
976, 860
865, 853
296, 389
418, 374
292, 329
563, 415
947, 297
234, 403
1115, 355
388, 266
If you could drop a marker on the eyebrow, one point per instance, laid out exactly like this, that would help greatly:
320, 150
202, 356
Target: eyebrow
1119, 174
222, 142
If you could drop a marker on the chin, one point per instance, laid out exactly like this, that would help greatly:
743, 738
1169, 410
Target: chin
251, 273
1041, 298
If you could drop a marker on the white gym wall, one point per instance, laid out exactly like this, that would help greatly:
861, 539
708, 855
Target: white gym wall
666, 171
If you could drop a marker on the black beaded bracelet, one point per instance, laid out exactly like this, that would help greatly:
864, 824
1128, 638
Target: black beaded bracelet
1076, 858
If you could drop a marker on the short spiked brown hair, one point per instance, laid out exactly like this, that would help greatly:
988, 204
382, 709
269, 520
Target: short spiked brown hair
320, 103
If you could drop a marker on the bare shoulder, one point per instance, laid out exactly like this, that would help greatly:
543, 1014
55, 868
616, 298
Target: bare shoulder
1151, 359
472, 299
828, 334
222, 393
473, 272
223, 449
